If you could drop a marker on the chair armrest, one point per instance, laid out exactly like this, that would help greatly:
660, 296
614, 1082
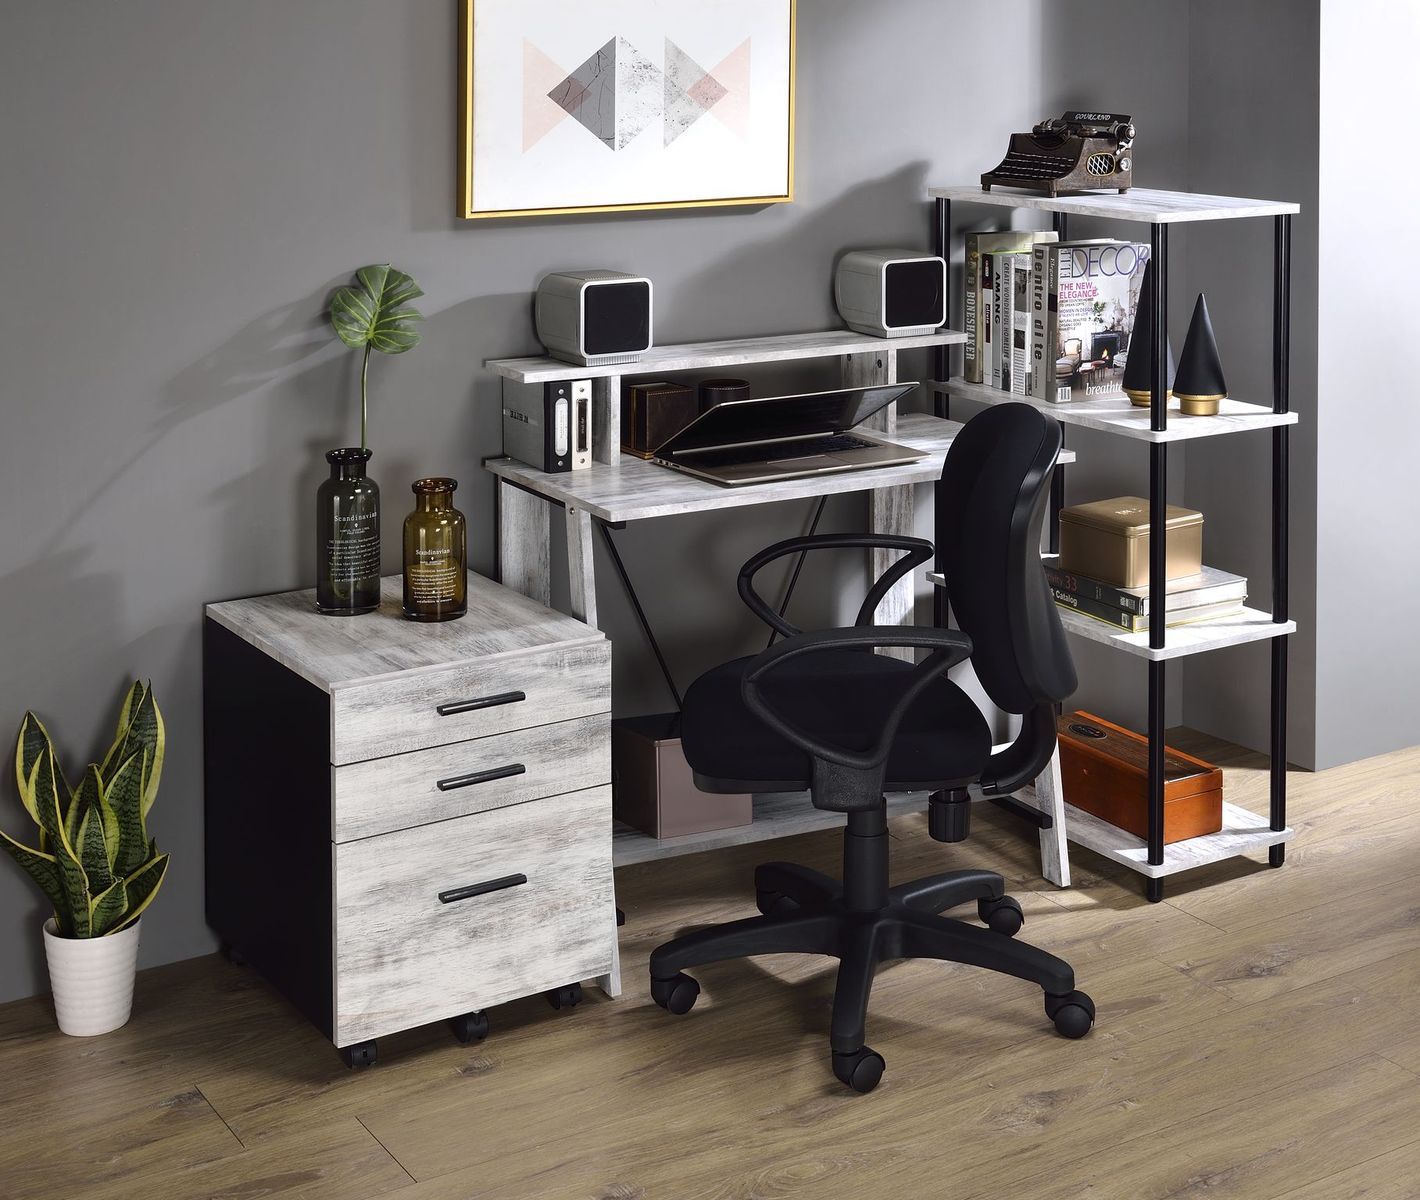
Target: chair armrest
949, 647
917, 551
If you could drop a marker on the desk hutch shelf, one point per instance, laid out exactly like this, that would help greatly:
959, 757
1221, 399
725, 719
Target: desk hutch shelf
1156, 425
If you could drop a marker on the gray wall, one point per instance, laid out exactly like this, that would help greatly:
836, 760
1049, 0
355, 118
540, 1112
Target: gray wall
1253, 122
185, 183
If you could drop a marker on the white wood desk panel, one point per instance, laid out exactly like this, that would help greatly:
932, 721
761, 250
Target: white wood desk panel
733, 352
635, 490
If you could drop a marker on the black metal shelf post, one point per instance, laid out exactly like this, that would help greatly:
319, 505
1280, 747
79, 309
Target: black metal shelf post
1281, 499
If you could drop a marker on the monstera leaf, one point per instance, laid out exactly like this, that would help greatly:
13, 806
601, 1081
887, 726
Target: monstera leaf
375, 311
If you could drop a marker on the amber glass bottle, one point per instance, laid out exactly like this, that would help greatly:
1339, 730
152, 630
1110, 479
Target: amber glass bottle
435, 554
348, 537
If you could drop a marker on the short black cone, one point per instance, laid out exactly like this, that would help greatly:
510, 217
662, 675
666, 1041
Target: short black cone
1200, 384
1139, 367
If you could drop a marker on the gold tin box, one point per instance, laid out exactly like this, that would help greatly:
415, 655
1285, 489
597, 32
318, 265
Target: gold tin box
1108, 540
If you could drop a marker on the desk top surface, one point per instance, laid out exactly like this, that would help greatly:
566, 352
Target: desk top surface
733, 352
634, 490
334, 652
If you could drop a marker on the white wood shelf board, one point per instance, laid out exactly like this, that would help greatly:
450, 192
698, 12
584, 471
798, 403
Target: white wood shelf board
633, 489
1118, 416
776, 815
1249, 625
1242, 832
1137, 204
734, 352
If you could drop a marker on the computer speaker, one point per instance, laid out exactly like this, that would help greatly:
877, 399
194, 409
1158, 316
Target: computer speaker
891, 293
593, 318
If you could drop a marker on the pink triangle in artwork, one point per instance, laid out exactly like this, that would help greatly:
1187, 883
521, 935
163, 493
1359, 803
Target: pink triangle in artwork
732, 74
540, 113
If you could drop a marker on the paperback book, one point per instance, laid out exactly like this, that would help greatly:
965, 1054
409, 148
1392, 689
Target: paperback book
1209, 586
981, 249
1083, 299
1132, 623
1020, 324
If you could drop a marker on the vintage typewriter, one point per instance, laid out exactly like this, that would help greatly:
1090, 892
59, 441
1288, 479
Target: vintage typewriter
1079, 152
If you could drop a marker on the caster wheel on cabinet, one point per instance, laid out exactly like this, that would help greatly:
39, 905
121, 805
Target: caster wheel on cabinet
1003, 916
676, 994
861, 1069
1073, 1014
470, 1027
361, 1054
232, 954
568, 996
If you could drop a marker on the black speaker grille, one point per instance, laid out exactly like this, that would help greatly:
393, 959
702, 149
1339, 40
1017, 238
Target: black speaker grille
914, 294
618, 317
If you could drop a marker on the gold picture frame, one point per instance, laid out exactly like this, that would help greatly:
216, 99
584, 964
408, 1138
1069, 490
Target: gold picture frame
466, 208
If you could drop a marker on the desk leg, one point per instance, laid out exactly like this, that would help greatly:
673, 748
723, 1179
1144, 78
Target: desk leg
1054, 849
524, 543
582, 592
890, 511
581, 576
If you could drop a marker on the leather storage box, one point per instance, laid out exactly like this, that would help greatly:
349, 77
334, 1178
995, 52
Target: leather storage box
653, 413
1108, 540
653, 790
1104, 770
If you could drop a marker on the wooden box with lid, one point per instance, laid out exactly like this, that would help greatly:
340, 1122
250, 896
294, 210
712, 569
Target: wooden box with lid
1104, 771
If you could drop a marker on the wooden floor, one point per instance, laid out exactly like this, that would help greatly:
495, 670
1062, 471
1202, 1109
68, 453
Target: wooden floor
1258, 1037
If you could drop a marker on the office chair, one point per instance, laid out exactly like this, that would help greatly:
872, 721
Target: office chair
821, 711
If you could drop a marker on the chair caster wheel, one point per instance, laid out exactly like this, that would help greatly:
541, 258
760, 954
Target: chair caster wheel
774, 904
470, 1027
361, 1054
567, 996
1073, 1013
860, 1069
676, 994
1003, 916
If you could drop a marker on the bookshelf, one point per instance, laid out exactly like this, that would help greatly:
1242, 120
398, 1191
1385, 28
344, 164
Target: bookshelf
1159, 427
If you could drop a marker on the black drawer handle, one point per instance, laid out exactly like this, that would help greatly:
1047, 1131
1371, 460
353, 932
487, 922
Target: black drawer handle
458, 781
463, 706
481, 889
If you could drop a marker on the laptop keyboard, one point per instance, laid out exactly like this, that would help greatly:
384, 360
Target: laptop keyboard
805, 448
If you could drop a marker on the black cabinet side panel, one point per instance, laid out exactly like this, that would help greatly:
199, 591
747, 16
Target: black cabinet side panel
266, 770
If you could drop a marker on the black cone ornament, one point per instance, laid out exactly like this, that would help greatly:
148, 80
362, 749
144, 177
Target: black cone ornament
1139, 366
1200, 383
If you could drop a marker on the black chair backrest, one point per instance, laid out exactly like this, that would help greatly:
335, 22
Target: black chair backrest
990, 502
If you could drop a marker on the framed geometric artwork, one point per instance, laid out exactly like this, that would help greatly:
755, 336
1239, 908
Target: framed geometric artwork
575, 106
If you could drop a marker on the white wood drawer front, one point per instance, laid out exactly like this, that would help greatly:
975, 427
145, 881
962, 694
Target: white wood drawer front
406, 957
471, 700
385, 794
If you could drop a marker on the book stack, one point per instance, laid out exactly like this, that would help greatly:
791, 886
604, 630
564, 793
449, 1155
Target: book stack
1049, 319
1202, 597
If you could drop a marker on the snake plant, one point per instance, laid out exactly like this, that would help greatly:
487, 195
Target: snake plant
95, 861
374, 314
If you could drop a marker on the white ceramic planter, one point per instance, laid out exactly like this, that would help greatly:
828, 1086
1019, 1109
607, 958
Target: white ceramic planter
92, 979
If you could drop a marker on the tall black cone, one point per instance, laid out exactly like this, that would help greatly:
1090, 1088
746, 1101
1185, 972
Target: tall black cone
1200, 384
1139, 367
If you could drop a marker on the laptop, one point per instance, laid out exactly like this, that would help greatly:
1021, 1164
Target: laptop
783, 437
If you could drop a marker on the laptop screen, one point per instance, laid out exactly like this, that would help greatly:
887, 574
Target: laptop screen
739, 421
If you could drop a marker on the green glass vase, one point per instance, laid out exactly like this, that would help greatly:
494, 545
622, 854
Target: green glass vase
348, 537
435, 554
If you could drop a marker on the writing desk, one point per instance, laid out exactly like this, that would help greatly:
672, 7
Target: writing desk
613, 495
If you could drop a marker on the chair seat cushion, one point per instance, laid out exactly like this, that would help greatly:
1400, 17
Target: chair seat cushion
841, 697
